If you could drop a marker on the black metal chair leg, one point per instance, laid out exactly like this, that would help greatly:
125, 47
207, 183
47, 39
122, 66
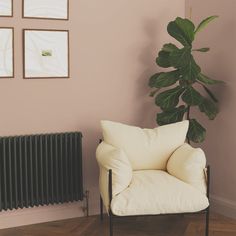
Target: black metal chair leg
101, 209
207, 221
111, 224
110, 199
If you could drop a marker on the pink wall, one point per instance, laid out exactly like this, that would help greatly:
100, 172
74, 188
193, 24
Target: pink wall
220, 63
113, 49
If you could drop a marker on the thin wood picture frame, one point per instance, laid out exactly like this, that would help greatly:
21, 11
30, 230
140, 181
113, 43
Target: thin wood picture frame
44, 53
42, 16
11, 9
4, 53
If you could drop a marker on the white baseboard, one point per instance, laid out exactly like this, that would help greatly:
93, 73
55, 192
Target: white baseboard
42, 214
223, 206
35, 215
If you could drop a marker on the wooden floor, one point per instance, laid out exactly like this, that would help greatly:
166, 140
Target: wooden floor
158, 226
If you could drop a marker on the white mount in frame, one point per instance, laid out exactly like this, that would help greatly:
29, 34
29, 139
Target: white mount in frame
6, 52
46, 53
46, 9
6, 7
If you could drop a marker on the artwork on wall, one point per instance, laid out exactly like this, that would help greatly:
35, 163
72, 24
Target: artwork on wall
46, 9
6, 52
46, 53
6, 7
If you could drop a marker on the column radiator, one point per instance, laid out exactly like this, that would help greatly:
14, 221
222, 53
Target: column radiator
40, 170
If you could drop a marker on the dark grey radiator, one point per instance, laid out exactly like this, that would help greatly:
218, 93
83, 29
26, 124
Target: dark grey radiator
40, 170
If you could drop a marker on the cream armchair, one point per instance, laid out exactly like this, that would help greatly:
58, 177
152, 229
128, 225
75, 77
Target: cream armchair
151, 172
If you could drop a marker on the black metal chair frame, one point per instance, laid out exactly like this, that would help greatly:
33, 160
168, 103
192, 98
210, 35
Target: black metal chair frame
112, 216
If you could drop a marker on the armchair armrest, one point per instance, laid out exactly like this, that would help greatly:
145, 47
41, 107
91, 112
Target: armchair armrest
188, 164
112, 158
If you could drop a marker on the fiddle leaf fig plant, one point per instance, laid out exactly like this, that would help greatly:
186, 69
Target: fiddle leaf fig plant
176, 90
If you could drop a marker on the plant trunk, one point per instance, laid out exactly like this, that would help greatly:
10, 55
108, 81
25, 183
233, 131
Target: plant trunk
188, 118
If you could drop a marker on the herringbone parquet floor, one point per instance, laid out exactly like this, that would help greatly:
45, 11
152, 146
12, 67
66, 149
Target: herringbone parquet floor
158, 226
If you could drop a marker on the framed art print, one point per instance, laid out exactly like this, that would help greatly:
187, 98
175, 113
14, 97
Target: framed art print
46, 9
6, 52
6, 8
46, 53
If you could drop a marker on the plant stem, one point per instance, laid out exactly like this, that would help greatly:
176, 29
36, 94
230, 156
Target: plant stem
188, 113
188, 118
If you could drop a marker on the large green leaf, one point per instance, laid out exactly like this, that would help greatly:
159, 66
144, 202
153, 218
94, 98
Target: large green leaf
196, 132
209, 108
187, 27
171, 116
206, 80
191, 70
182, 30
169, 47
180, 58
163, 59
165, 79
169, 99
192, 97
211, 95
204, 23
152, 80
202, 50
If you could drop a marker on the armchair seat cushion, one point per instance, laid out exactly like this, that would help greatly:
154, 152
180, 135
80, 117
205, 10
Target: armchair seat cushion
154, 192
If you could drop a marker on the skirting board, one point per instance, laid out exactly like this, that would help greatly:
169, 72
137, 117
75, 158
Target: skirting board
223, 206
42, 214
35, 215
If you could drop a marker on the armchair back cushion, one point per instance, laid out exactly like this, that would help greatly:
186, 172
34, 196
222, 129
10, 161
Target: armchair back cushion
146, 149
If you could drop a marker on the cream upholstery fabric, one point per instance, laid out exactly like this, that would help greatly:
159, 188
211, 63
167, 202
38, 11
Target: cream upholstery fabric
146, 148
188, 164
157, 192
113, 158
139, 159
